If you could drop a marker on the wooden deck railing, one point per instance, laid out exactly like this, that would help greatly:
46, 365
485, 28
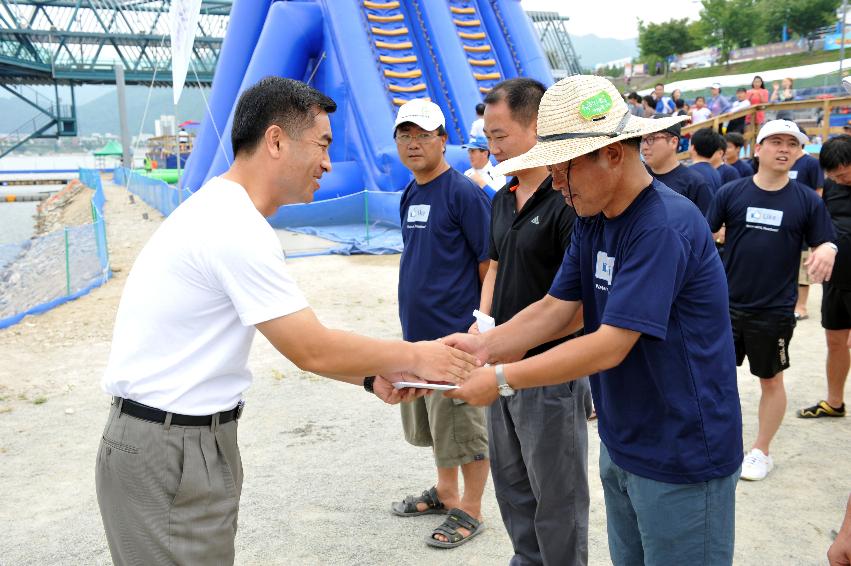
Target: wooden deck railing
826, 105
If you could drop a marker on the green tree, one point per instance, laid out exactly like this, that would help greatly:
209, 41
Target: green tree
728, 24
660, 41
803, 17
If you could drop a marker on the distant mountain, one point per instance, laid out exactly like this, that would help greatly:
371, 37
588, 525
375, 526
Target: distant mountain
100, 115
592, 49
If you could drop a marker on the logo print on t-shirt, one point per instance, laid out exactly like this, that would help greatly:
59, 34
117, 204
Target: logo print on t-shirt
418, 212
604, 268
766, 216
536, 220
793, 174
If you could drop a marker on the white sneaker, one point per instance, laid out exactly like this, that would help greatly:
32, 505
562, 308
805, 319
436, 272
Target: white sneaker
756, 465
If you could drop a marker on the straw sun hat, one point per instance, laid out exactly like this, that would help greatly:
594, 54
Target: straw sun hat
578, 115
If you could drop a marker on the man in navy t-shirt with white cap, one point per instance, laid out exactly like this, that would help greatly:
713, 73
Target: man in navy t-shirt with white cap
767, 218
445, 230
658, 345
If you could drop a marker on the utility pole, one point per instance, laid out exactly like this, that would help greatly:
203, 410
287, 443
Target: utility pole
122, 117
842, 40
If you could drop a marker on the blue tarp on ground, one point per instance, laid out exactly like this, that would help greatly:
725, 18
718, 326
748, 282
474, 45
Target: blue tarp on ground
365, 223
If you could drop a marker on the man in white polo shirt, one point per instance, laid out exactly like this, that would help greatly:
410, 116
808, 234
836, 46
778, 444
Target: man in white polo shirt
169, 474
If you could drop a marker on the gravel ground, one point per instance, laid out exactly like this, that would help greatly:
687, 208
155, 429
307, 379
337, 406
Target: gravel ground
323, 460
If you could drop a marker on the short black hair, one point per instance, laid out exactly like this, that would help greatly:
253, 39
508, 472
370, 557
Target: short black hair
649, 100
634, 96
706, 142
741, 89
680, 103
659, 84
287, 103
480, 109
522, 95
699, 98
736, 139
835, 153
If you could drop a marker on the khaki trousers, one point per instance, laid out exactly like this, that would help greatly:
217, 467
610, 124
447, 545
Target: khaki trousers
168, 494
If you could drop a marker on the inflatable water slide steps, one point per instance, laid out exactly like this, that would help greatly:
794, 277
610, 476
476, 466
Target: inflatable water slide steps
399, 61
370, 56
474, 40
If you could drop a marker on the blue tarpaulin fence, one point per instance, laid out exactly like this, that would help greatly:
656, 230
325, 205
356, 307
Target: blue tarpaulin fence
39, 274
157, 194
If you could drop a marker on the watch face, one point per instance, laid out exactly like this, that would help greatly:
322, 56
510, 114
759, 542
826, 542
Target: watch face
506, 390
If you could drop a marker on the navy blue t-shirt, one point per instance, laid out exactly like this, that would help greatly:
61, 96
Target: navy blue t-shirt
670, 411
744, 168
445, 232
807, 171
763, 238
709, 174
689, 184
728, 173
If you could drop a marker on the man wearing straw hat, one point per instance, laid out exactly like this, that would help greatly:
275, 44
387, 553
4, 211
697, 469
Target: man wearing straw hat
642, 264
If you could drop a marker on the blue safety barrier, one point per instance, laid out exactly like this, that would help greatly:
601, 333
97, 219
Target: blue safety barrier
157, 194
44, 272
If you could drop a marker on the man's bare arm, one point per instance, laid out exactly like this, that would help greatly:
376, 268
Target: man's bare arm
305, 341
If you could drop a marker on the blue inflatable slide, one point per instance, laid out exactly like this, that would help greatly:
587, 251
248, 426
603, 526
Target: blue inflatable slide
370, 57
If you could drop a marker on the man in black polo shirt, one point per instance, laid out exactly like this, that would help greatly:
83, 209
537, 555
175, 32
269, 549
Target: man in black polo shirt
538, 437
835, 159
659, 150
768, 217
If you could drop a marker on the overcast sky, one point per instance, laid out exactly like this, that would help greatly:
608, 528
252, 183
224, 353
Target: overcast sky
619, 18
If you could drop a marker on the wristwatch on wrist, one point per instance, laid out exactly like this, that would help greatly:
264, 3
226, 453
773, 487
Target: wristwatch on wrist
504, 389
368, 383
832, 246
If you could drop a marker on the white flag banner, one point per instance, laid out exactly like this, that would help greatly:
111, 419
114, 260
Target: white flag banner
183, 16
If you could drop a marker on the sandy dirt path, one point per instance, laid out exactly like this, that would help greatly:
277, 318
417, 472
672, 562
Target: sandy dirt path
323, 460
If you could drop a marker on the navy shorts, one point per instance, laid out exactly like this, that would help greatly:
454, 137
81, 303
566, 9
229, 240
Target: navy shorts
763, 337
835, 307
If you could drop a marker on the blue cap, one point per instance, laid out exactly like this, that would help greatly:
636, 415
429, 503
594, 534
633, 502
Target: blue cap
478, 142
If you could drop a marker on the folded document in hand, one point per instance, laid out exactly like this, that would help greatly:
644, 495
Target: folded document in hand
424, 385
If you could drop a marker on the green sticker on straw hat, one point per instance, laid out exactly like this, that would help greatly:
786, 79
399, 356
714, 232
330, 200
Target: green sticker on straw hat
596, 106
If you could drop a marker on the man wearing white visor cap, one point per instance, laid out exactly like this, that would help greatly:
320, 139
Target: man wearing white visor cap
642, 264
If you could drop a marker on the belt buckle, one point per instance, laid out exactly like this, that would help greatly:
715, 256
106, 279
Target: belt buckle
239, 407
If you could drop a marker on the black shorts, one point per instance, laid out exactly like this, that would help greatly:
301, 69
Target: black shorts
835, 307
764, 338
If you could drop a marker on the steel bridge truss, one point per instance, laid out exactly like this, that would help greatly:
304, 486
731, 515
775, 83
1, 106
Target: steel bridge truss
556, 42
81, 41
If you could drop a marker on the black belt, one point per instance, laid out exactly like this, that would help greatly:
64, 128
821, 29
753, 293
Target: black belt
153, 415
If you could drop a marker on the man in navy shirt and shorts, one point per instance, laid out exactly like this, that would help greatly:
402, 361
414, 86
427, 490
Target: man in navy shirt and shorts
445, 230
767, 219
643, 267
835, 159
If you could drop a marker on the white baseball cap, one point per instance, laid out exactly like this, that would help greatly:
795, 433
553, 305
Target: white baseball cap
424, 113
785, 127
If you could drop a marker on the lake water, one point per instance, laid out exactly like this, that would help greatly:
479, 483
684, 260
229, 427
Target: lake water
16, 218
16, 221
